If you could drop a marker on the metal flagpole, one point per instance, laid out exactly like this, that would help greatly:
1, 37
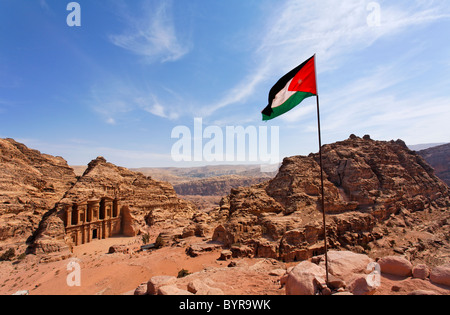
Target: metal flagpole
321, 176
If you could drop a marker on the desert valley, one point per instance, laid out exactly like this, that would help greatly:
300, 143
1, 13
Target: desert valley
228, 230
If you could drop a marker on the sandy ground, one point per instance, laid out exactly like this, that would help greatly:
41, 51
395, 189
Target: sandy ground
101, 273
114, 274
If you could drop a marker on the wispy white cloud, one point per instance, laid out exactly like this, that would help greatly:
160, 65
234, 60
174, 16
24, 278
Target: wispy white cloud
152, 34
239, 93
332, 29
372, 105
335, 29
114, 101
153, 106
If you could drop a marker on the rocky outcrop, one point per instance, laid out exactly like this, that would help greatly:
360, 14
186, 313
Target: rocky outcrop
382, 176
439, 158
349, 273
242, 278
297, 188
31, 183
358, 274
143, 202
367, 183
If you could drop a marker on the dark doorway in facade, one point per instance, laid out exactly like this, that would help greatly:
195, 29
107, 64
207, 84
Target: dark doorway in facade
94, 234
74, 218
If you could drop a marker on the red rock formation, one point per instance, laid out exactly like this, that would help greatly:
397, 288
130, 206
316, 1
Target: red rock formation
31, 183
366, 182
382, 176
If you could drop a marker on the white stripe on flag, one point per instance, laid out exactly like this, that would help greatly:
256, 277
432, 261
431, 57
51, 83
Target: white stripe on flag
283, 95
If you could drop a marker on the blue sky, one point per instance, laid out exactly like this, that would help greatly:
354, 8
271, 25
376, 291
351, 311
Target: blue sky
117, 85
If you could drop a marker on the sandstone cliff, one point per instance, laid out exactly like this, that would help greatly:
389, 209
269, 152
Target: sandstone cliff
30, 184
368, 184
439, 158
383, 176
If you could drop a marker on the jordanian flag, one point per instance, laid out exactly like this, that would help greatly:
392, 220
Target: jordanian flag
291, 90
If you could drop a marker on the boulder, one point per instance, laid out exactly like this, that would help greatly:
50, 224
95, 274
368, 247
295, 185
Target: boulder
118, 249
343, 264
421, 272
360, 286
441, 275
241, 251
141, 289
277, 272
335, 282
196, 249
156, 282
396, 265
304, 279
226, 254
172, 290
198, 287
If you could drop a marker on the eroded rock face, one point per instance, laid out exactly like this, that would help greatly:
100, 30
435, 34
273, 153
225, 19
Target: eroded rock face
31, 183
297, 187
383, 174
366, 182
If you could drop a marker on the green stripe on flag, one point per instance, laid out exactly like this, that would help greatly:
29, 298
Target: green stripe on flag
291, 102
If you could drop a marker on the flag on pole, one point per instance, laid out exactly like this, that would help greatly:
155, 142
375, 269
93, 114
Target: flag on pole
291, 90
287, 93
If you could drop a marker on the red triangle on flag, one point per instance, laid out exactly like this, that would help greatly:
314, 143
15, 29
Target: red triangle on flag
305, 79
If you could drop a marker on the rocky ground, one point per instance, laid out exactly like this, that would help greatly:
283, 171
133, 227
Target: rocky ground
130, 271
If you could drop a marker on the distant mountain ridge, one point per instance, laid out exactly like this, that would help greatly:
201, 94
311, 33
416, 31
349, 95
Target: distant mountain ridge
178, 175
439, 158
424, 146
